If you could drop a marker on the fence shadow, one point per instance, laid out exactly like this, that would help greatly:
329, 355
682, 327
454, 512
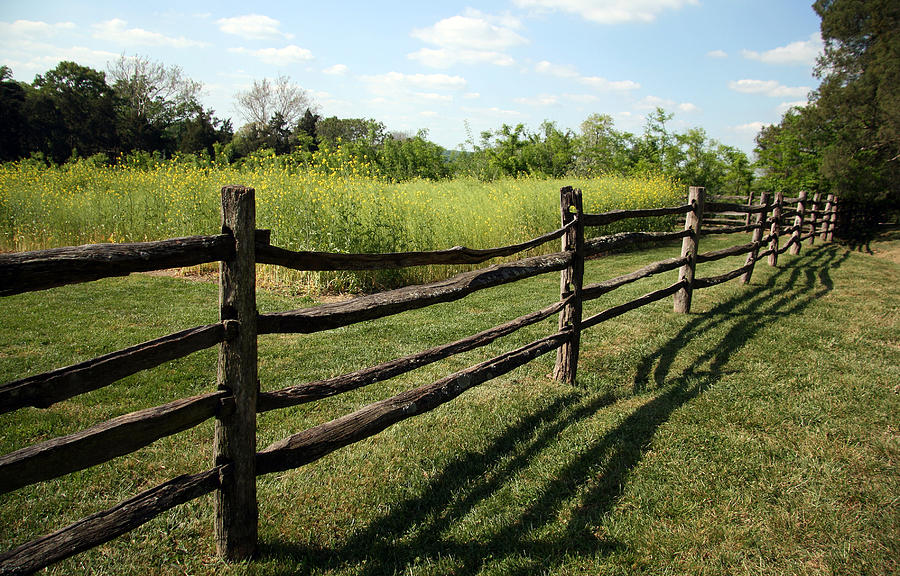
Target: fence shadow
415, 530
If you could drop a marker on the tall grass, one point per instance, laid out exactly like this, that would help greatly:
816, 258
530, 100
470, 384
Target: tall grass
338, 206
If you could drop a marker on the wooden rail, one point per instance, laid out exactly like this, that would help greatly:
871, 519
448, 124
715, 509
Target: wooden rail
237, 401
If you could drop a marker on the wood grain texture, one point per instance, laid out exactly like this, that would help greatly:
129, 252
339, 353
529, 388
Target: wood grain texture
41, 269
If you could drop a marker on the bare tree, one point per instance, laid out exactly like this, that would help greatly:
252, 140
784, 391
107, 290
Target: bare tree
154, 93
265, 99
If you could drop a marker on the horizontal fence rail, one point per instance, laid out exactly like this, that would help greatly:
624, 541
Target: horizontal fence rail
370, 307
41, 269
44, 390
237, 401
325, 261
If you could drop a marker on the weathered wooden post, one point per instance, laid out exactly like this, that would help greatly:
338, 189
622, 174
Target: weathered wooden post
689, 244
571, 280
749, 203
830, 219
814, 222
235, 440
798, 224
776, 228
757, 239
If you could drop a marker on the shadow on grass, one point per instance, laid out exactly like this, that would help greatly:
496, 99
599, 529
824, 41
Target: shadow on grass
532, 536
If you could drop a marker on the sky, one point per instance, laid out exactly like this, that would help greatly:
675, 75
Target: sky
455, 68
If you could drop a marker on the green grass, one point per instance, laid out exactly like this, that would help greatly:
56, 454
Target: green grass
756, 435
339, 209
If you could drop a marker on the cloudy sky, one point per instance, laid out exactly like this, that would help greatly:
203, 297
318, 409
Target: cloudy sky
456, 68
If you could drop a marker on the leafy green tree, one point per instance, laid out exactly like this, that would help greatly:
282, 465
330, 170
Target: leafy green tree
73, 111
601, 149
859, 97
790, 153
402, 158
13, 121
152, 100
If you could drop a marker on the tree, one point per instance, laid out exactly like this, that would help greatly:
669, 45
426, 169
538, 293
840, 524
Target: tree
152, 99
790, 153
601, 149
13, 122
265, 99
859, 97
74, 109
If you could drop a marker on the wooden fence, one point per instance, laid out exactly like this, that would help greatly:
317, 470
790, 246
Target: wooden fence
238, 400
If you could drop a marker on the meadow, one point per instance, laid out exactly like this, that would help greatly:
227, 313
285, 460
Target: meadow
757, 435
335, 205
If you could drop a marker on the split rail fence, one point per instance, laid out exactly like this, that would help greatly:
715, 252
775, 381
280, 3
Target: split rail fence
238, 399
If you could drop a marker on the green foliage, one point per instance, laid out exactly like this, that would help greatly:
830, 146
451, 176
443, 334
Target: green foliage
847, 140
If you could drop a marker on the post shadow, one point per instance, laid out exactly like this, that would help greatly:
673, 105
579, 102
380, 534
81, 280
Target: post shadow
414, 530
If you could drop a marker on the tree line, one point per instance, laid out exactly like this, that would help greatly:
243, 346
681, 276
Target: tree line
846, 139
139, 107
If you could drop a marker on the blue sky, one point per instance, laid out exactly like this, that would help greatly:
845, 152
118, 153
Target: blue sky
728, 66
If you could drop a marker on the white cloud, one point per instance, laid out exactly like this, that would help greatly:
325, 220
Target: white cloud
277, 56
749, 128
654, 102
253, 27
433, 96
717, 54
336, 70
768, 88
471, 30
541, 100
599, 83
116, 30
595, 82
394, 84
562, 71
32, 29
609, 11
469, 38
803, 52
447, 57
471, 95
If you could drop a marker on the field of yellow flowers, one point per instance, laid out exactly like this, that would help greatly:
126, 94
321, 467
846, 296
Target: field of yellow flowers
338, 207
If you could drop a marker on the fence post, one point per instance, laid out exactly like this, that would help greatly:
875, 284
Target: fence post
689, 244
798, 224
571, 280
757, 238
749, 203
814, 222
830, 219
235, 440
776, 228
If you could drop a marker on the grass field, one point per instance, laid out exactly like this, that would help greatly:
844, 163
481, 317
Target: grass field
339, 208
756, 435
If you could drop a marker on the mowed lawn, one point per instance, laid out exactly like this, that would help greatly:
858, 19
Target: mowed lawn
756, 435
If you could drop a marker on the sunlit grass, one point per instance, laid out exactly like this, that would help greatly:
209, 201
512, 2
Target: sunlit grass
335, 206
